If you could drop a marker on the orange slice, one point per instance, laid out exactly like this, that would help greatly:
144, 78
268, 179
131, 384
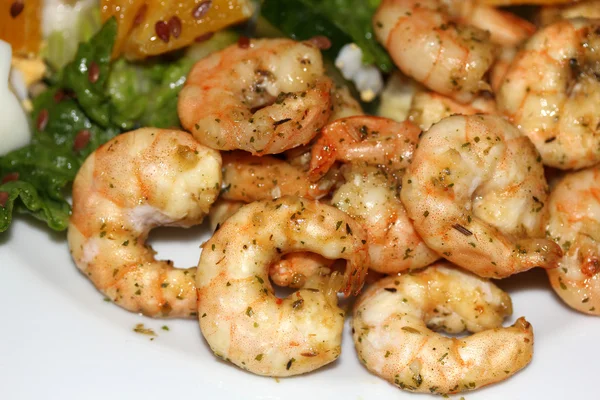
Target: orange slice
152, 27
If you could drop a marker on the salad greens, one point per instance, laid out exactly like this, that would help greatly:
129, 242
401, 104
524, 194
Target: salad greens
342, 21
61, 45
72, 106
87, 103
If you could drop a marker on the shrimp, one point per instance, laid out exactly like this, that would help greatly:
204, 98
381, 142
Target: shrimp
221, 210
476, 194
448, 46
575, 223
552, 13
299, 157
552, 93
391, 335
374, 140
135, 182
265, 98
250, 178
344, 105
427, 44
501, 66
242, 320
371, 197
428, 108
293, 269
505, 28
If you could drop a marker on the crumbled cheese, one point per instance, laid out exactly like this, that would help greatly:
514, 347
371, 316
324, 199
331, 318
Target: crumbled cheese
367, 78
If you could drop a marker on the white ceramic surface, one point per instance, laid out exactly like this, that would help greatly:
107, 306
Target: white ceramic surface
60, 340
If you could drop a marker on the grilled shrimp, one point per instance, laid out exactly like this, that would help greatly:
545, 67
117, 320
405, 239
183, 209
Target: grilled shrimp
505, 28
368, 139
428, 108
427, 44
265, 98
133, 183
292, 269
476, 193
250, 178
240, 317
446, 45
575, 223
371, 197
552, 93
391, 335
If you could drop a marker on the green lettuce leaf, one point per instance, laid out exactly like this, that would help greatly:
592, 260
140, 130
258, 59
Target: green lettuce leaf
47, 166
342, 21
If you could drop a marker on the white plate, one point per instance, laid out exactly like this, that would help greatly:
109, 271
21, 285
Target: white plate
59, 339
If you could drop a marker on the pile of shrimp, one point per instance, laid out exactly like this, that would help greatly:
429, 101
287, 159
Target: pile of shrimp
304, 190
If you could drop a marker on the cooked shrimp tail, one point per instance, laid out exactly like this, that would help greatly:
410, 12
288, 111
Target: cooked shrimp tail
538, 253
368, 139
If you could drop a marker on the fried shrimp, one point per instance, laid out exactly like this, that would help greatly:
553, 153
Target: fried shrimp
240, 317
265, 98
371, 197
368, 139
392, 338
133, 183
575, 223
250, 178
476, 193
552, 93
428, 44
428, 108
